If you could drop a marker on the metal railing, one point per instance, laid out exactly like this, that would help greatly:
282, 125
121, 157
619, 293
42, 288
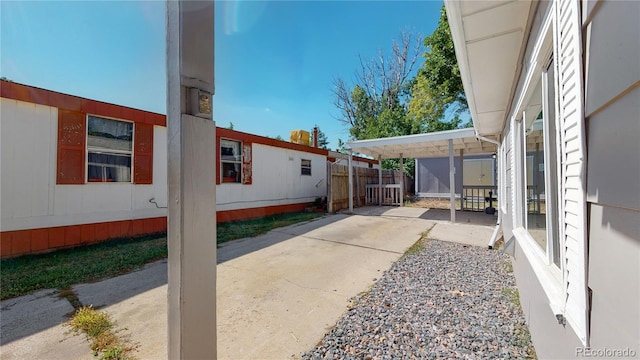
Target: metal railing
478, 197
391, 194
533, 199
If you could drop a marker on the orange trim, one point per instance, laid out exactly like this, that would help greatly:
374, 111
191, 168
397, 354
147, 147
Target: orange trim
143, 154
256, 139
71, 147
254, 213
31, 94
32, 241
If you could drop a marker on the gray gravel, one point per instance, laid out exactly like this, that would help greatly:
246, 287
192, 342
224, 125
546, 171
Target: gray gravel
447, 301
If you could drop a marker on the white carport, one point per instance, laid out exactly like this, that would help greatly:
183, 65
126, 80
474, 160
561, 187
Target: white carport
437, 144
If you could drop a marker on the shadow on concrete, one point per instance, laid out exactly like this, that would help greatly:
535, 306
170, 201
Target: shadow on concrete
27, 315
236, 248
30, 314
462, 217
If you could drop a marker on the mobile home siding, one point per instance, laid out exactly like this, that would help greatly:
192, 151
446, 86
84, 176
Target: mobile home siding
612, 104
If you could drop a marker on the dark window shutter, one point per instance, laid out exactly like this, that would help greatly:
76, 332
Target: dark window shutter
143, 154
72, 135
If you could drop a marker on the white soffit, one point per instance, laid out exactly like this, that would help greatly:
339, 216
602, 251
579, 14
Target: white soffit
423, 145
489, 37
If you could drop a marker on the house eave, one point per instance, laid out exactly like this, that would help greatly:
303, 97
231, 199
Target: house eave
489, 39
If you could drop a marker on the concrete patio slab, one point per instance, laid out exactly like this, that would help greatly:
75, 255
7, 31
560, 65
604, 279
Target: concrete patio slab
280, 301
277, 294
475, 235
30, 329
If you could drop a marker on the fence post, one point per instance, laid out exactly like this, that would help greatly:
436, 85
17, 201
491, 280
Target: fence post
350, 181
379, 180
329, 189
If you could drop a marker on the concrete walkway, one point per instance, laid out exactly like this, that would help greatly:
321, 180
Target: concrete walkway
277, 294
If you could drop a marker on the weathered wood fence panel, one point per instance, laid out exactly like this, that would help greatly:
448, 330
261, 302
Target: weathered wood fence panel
338, 184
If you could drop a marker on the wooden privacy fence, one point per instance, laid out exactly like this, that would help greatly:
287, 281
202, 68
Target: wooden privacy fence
338, 184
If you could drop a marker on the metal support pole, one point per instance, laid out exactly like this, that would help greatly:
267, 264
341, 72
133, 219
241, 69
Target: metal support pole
461, 177
452, 183
380, 180
350, 182
401, 180
191, 153
415, 176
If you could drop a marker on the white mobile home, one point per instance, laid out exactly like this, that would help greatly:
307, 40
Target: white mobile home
76, 171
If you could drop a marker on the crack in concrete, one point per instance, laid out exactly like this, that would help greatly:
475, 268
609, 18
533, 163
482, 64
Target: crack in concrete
343, 243
313, 288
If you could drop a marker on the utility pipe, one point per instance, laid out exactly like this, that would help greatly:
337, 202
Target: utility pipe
496, 231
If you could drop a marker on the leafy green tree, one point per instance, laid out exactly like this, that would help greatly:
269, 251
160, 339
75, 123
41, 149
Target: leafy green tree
323, 141
230, 127
437, 91
376, 104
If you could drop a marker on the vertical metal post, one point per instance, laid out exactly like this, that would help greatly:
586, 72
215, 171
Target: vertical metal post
191, 153
380, 180
415, 175
536, 176
401, 180
350, 181
461, 177
452, 183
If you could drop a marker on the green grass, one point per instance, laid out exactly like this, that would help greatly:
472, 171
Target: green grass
419, 245
99, 330
63, 268
250, 228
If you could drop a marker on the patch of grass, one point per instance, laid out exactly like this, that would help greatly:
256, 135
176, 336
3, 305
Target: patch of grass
508, 266
99, 330
523, 339
522, 336
419, 245
63, 268
251, 228
513, 295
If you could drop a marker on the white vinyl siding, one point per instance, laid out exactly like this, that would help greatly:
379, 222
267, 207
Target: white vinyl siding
572, 138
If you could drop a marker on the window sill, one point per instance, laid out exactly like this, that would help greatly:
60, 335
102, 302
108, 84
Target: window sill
548, 275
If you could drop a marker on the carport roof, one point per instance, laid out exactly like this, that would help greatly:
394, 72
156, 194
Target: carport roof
434, 144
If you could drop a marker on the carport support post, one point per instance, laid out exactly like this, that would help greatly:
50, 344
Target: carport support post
401, 180
350, 182
461, 177
191, 155
452, 182
380, 180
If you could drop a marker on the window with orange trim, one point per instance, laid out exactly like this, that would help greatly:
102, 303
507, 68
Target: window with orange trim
109, 150
106, 150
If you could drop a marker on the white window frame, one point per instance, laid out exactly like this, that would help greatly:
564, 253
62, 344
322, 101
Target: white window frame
87, 149
222, 162
541, 261
304, 167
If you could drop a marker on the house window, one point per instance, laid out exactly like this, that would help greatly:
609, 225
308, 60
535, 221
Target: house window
231, 161
305, 167
109, 150
540, 170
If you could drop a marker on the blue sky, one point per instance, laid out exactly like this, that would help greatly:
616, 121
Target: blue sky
274, 61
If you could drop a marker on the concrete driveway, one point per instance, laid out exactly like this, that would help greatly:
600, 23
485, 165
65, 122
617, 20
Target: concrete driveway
278, 301
277, 294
